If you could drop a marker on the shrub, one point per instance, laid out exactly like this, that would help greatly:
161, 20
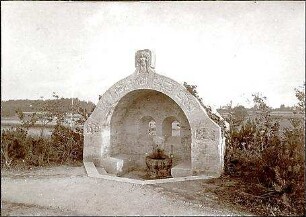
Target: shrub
13, 146
68, 143
18, 149
259, 153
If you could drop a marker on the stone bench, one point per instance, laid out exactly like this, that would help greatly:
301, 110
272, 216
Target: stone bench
118, 164
181, 170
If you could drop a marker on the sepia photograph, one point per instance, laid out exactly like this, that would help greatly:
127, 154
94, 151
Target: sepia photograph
153, 108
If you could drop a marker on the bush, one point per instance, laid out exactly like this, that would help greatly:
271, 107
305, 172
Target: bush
68, 143
13, 146
64, 147
259, 153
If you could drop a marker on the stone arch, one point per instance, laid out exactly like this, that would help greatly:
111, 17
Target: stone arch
207, 146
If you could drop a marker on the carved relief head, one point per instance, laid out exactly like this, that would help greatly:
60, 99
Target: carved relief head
143, 61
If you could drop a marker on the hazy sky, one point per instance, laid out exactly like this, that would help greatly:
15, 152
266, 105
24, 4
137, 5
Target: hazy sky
228, 49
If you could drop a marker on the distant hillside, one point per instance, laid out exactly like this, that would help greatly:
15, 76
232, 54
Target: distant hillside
9, 107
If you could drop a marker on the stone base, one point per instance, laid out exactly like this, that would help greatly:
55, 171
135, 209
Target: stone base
91, 169
182, 170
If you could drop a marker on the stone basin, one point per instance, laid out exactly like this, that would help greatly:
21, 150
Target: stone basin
159, 167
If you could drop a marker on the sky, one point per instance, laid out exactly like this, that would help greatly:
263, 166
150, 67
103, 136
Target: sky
230, 50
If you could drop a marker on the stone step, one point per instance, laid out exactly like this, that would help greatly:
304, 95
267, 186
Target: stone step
91, 169
101, 170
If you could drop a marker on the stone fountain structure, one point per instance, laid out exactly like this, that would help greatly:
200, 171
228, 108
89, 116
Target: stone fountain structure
158, 163
139, 112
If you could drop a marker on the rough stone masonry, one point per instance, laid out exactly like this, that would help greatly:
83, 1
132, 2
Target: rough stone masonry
145, 107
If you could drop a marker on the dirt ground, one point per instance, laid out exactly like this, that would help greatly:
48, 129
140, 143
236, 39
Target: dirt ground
68, 191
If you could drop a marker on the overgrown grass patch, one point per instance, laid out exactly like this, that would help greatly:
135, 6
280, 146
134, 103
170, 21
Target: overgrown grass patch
255, 198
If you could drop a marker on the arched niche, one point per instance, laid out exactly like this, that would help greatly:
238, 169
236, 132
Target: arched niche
177, 143
140, 116
169, 126
176, 129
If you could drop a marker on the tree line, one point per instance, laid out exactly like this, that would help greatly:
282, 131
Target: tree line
9, 107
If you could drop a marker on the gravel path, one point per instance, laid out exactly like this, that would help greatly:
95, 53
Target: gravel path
80, 195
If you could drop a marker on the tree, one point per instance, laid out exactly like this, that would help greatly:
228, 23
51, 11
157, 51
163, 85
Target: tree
26, 122
300, 95
282, 107
239, 114
215, 117
192, 89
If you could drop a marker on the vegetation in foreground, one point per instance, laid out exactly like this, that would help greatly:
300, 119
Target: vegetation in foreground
65, 146
20, 150
267, 164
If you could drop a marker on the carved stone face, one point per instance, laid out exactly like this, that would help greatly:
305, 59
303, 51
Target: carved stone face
143, 61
